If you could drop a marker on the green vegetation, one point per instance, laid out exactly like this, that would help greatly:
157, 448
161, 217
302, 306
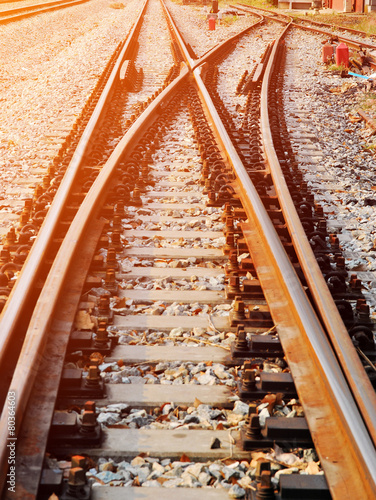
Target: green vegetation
368, 102
362, 22
264, 4
335, 67
228, 20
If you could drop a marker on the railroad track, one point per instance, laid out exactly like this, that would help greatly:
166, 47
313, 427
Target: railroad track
11, 15
164, 231
355, 38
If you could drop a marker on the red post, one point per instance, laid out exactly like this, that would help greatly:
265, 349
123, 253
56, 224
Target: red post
211, 23
342, 55
327, 53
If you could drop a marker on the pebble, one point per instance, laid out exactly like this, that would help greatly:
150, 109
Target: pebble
59, 58
331, 146
234, 476
192, 22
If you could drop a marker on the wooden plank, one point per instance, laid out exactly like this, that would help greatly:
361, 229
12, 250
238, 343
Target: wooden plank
185, 296
151, 395
154, 354
176, 253
128, 443
187, 235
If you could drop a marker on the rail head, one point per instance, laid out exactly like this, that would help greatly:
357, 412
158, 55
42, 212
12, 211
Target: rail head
359, 385
23, 288
32, 350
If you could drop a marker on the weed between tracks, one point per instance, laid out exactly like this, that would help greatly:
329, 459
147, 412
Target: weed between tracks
362, 22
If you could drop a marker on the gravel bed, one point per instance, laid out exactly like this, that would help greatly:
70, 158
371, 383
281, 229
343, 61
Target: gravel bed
244, 58
130, 262
193, 24
154, 55
161, 242
210, 223
193, 283
180, 373
50, 65
188, 186
125, 307
338, 168
230, 474
198, 416
173, 373
189, 200
177, 336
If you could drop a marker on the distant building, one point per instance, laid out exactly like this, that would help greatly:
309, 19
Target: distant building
338, 5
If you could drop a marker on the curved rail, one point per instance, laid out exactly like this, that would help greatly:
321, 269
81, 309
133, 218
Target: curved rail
11, 15
302, 321
348, 358
317, 23
328, 385
349, 41
38, 330
22, 292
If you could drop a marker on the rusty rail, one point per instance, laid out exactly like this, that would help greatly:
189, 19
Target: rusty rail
32, 10
370, 121
300, 324
301, 332
48, 300
351, 43
22, 292
345, 352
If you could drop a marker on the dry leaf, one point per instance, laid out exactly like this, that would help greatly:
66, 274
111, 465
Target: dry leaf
184, 458
273, 400
162, 418
312, 468
197, 403
355, 119
162, 480
83, 321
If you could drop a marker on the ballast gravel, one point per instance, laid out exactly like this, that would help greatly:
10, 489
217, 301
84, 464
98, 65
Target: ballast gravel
199, 416
192, 22
50, 64
246, 56
331, 144
235, 476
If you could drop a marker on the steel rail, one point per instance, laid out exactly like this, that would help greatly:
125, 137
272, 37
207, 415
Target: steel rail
32, 10
46, 304
337, 26
335, 392
35, 339
318, 23
22, 292
34, 6
347, 355
38, 330
195, 63
349, 41
182, 46
336, 374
